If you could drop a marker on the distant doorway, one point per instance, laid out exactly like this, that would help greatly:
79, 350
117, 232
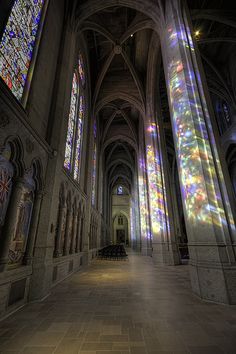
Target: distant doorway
120, 236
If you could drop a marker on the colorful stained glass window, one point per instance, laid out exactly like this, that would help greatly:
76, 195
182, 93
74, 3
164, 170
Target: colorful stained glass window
79, 134
18, 42
94, 173
81, 70
120, 190
75, 126
68, 163
94, 163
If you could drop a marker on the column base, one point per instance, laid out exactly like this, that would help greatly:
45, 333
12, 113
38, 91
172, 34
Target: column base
164, 253
214, 282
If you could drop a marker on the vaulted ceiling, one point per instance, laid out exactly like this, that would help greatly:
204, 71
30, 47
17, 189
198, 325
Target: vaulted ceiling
118, 40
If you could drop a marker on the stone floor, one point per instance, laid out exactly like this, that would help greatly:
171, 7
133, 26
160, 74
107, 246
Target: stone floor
122, 307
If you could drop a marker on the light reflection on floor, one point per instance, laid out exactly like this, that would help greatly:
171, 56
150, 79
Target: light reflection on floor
122, 307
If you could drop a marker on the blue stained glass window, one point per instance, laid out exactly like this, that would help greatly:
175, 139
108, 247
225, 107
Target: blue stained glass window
79, 135
18, 42
68, 162
94, 172
120, 190
74, 139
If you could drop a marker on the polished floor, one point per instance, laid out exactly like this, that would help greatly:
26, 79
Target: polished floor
122, 307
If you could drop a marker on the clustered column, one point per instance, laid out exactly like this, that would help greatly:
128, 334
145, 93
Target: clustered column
208, 216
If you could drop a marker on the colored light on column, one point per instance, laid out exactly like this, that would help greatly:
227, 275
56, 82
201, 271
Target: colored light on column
192, 139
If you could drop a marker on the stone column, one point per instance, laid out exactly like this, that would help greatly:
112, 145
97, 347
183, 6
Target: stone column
146, 246
74, 232
81, 238
176, 212
68, 232
156, 192
144, 210
10, 222
171, 246
27, 260
60, 229
77, 242
94, 236
91, 238
135, 236
208, 215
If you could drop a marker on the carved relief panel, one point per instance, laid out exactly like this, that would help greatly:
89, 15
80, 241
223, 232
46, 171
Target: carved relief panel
22, 220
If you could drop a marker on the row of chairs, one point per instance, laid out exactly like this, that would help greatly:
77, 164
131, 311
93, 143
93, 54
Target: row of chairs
113, 252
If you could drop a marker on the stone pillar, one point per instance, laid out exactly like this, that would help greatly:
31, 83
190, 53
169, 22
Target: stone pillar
95, 235
77, 242
208, 215
164, 248
91, 237
74, 232
10, 222
68, 232
60, 229
81, 237
135, 239
170, 246
176, 212
159, 216
144, 210
33, 229
146, 246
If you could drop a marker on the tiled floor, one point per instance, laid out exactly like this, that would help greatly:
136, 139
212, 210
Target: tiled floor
120, 308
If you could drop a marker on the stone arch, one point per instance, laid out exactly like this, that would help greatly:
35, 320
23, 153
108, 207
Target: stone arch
133, 101
120, 137
36, 164
149, 8
17, 155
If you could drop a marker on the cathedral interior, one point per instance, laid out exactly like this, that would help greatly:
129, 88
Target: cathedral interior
117, 127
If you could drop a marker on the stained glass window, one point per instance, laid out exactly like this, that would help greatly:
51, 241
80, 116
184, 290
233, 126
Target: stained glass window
18, 42
79, 134
225, 109
75, 126
68, 163
94, 174
94, 164
81, 70
120, 190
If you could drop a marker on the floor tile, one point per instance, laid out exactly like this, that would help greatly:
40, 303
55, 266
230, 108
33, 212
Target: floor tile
114, 307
